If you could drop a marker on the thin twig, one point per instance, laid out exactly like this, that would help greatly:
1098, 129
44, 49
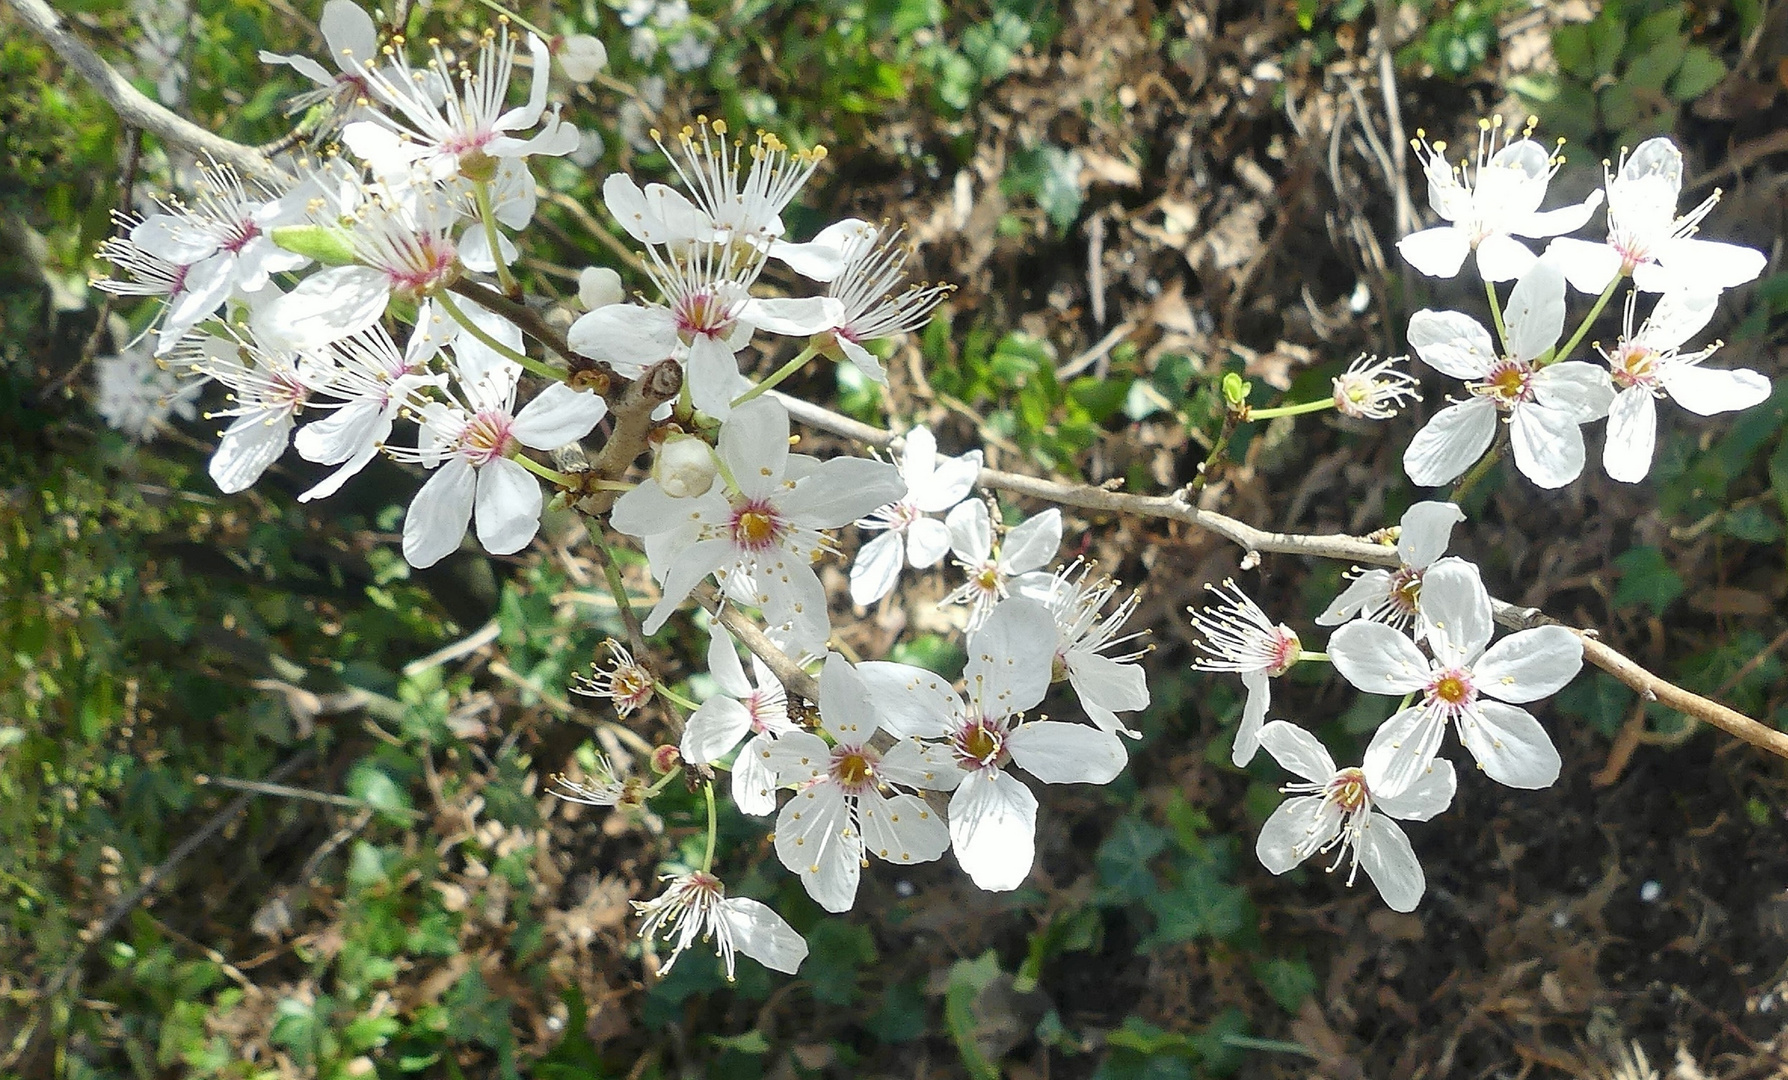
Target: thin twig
793, 677
133, 108
524, 317
286, 791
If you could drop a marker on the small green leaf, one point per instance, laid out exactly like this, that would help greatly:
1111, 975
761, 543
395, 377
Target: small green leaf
1700, 72
1289, 982
1646, 578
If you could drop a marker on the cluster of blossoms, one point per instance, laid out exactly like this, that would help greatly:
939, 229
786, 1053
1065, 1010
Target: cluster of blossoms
372, 287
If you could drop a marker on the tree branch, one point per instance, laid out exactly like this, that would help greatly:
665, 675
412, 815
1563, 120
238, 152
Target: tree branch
1340, 547
134, 109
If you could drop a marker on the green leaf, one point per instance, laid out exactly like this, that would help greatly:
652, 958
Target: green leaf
903, 1015
1655, 29
1646, 578
1123, 859
1289, 982
1050, 175
1751, 523
1571, 48
1607, 40
968, 978
1601, 699
375, 787
838, 954
1700, 72
1203, 906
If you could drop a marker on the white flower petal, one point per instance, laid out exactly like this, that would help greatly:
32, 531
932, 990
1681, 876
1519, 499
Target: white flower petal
1388, 859
1707, 391
628, 334
438, 515
1452, 343
877, 568
910, 701
761, 934
724, 666
754, 782
927, 542
1589, 267
909, 763
1581, 390
796, 757
1426, 529
971, 532
1403, 749
1367, 590
1536, 310
902, 830
1530, 665
1298, 751
1377, 659
1632, 435
754, 447
847, 711
1450, 443
1437, 252
1510, 745
949, 485
1503, 258
1032, 543
1548, 444
993, 828
1010, 657
1298, 828
255, 441
1431, 793
508, 508
1254, 710
1110, 685
1707, 264
1457, 608
1061, 753
817, 841
1678, 317
1565, 219
840, 491
685, 571
794, 316
557, 416
714, 729
327, 306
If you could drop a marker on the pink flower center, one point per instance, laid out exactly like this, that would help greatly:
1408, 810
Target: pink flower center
756, 526
1283, 650
1509, 383
245, 231
902, 515
979, 745
705, 314
1452, 689
486, 437
853, 768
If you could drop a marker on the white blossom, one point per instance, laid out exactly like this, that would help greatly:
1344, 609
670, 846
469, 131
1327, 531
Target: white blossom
1489, 205
1025, 549
873, 305
839, 814
1106, 685
739, 709
1373, 389
136, 394
695, 905
933, 486
1239, 637
1649, 364
1546, 404
1464, 685
624, 681
759, 531
993, 817
370, 383
1394, 596
352, 38
1648, 241
1345, 809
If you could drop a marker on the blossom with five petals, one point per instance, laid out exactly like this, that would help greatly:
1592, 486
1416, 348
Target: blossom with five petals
1478, 690
1026, 548
1106, 685
933, 485
1344, 808
1239, 637
1394, 596
740, 708
1546, 404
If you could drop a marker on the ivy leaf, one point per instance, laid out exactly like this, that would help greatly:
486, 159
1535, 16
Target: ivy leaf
1646, 578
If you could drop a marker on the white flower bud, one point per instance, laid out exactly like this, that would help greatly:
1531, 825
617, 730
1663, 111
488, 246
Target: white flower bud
581, 57
684, 467
598, 286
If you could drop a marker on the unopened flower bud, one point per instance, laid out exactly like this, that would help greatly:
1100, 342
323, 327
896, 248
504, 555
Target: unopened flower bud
684, 467
1235, 390
581, 57
598, 286
666, 759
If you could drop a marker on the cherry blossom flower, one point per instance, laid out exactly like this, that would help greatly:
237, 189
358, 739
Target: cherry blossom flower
839, 815
624, 681
1344, 808
352, 38
933, 486
737, 193
269, 387
1648, 364
1105, 685
739, 709
1372, 389
872, 308
1546, 404
370, 384
1477, 690
603, 787
707, 316
223, 240
695, 905
759, 531
1648, 241
148, 274
993, 817
473, 446
136, 394
1239, 637
1025, 549
1393, 597
582, 57
464, 134
1488, 207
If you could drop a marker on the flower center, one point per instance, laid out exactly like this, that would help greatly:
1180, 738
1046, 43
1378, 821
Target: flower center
1634, 365
245, 232
1406, 590
756, 526
704, 313
426, 266
988, 578
1509, 383
853, 767
1452, 689
486, 438
1348, 790
1284, 649
979, 744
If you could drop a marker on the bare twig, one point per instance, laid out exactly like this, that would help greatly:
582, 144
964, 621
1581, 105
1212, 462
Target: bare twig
524, 317
134, 109
633, 422
793, 677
